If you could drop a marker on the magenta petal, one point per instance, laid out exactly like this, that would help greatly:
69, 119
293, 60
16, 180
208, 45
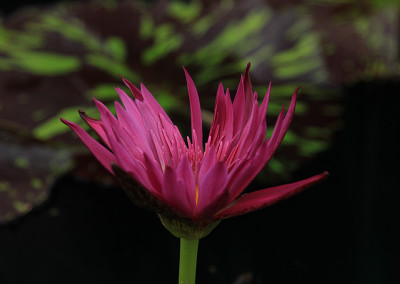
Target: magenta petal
223, 117
239, 108
136, 130
248, 92
282, 126
247, 83
195, 110
264, 105
262, 198
154, 173
130, 106
96, 125
135, 91
131, 165
108, 119
207, 163
184, 171
212, 185
104, 156
244, 172
152, 102
173, 192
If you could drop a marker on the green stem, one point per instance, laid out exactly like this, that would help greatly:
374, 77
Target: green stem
187, 261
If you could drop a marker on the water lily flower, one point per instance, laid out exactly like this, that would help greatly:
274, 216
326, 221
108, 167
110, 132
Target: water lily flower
190, 184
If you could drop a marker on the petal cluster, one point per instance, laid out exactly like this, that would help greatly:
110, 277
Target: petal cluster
201, 182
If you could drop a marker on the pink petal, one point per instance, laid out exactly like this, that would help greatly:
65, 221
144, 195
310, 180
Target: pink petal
228, 125
172, 139
97, 126
174, 192
265, 197
248, 91
264, 105
222, 123
211, 187
135, 91
272, 142
119, 137
244, 172
152, 102
135, 130
282, 128
195, 110
158, 153
213, 129
184, 171
154, 173
207, 163
130, 107
258, 140
249, 131
123, 159
108, 120
131, 165
104, 156
145, 96
239, 107
247, 83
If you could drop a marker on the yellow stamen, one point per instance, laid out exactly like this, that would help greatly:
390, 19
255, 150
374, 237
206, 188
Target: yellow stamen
197, 193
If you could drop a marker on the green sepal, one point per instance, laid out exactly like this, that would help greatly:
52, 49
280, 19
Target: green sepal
186, 228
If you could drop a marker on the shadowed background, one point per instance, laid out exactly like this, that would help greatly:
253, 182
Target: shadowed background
64, 219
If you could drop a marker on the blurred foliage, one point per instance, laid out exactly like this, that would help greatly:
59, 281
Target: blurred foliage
54, 60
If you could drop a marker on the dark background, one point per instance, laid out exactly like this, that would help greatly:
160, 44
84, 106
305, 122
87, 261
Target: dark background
344, 230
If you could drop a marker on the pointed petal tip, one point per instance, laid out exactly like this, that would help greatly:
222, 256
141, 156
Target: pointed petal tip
63, 120
294, 97
68, 123
296, 91
135, 91
195, 109
248, 67
187, 75
97, 102
325, 175
262, 198
126, 81
87, 118
82, 114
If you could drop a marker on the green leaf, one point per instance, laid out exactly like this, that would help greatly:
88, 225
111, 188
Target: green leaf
146, 27
185, 12
53, 126
103, 92
112, 67
43, 63
117, 48
166, 40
